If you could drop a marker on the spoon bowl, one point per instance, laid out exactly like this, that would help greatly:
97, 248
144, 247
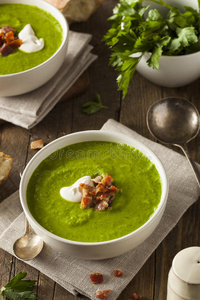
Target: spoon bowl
29, 245
175, 121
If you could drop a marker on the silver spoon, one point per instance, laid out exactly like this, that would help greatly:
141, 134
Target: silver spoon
29, 245
175, 121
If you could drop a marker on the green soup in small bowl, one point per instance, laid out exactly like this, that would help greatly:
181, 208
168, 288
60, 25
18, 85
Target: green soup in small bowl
44, 25
22, 71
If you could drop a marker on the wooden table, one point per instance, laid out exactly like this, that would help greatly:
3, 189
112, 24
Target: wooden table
65, 118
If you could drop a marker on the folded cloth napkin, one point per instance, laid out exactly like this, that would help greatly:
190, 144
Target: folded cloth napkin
73, 274
29, 109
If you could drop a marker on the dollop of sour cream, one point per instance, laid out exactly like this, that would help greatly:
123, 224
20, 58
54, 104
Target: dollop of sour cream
72, 193
30, 43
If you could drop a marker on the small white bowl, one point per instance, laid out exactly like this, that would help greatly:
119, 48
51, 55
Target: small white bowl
26, 81
174, 71
99, 250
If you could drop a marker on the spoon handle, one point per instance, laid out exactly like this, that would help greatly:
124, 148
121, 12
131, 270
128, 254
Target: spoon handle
28, 229
192, 163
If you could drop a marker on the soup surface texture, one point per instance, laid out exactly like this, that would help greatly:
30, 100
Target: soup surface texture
133, 174
44, 25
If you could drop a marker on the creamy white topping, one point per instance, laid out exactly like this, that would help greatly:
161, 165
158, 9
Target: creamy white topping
30, 43
72, 193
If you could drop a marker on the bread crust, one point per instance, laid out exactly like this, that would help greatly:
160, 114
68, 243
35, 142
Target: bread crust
5, 166
76, 10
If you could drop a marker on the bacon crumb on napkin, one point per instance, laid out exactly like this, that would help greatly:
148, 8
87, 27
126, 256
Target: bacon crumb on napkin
102, 294
38, 144
118, 273
5, 166
96, 278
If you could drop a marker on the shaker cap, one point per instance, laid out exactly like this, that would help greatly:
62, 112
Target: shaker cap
186, 265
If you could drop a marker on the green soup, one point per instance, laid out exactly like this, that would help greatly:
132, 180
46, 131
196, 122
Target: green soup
134, 175
44, 25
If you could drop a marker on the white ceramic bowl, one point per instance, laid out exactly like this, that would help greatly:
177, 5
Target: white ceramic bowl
174, 71
26, 81
99, 250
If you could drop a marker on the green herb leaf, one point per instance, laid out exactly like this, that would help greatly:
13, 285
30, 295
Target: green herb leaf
137, 29
18, 296
17, 288
91, 107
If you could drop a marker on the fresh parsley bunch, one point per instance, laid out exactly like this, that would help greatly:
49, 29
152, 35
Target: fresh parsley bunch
132, 35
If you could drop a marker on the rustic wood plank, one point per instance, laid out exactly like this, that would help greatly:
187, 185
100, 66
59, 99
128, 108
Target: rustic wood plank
14, 140
6, 264
102, 77
140, 96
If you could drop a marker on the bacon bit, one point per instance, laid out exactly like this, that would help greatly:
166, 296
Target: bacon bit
7, 29
6, 50
15, 43
102, 294
107, 180
38, 144
118, 273
9, 37
85, 203
8, 40
96, 278
100, 195
102, 205
136, 297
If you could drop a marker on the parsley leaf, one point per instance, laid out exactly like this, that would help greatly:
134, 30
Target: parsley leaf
17, 288
137, 29
91, 107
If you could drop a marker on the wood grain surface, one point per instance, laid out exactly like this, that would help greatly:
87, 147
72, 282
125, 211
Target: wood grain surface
66, 117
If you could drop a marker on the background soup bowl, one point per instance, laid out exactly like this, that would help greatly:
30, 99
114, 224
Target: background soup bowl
26, 81
174, 71
99, 250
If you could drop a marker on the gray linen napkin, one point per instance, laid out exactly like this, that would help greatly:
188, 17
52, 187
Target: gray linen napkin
73, 274
29, 109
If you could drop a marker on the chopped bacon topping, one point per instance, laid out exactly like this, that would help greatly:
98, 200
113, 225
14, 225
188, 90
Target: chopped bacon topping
118, 273
8, 40
6, 50
102, 294
9, 36
96, 278
98, 196
136, 297
7, 29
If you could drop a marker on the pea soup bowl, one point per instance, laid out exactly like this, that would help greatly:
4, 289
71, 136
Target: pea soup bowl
18, 82
53, 153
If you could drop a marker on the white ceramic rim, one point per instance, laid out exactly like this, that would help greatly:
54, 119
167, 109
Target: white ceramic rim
108, 134
175, 56
65, 29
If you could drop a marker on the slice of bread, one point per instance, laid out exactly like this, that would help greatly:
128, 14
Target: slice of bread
76, 10
5, 166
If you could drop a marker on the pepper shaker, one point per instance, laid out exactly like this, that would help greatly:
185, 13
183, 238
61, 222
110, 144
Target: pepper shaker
184, 275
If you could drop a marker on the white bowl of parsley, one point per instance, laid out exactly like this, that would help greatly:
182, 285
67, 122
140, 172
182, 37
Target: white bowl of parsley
161, 40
